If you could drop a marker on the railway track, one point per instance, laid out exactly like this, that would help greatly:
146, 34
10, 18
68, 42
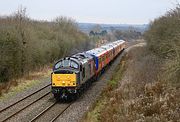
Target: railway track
61, 109
58, 115
15, 112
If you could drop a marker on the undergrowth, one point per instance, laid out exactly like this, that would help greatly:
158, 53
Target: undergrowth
140, 94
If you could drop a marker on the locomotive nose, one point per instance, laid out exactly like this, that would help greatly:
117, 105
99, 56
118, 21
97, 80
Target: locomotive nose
64, 80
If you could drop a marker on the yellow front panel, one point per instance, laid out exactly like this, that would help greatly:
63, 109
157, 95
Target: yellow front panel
63, 80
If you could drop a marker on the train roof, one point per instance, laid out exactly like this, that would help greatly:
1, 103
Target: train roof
97, 51
82, 57
119, 41
107, 47
116, 43
101, 50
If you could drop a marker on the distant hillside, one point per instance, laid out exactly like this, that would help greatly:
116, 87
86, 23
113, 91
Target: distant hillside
87, 27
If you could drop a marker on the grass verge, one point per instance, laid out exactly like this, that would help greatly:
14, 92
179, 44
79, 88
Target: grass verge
15, 86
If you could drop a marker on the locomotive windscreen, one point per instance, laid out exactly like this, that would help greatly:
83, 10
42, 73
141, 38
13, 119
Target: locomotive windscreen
66, 63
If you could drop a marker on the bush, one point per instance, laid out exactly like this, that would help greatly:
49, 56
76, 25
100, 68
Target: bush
27, 45
163, 40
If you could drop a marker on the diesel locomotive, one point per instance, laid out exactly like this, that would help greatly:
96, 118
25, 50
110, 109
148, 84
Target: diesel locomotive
72, 75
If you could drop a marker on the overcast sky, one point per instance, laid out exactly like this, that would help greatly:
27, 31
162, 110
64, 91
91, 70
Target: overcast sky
93, 11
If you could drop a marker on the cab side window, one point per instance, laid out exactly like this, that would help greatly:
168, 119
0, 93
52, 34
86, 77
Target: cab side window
83, 72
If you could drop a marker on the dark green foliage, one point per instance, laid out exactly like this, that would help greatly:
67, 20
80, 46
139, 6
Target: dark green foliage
27, 45
127, 35
102, 33
163, 36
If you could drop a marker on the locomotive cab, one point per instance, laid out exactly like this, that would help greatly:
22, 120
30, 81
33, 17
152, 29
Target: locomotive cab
65, 77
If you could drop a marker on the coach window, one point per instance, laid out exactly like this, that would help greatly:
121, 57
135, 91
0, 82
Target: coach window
99, 62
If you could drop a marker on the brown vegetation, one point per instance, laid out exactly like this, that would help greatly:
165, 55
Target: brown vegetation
140, 95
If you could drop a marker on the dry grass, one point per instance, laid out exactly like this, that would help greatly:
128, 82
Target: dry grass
14, 86
41, 72
141, 94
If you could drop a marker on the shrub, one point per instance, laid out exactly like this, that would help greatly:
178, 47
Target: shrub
27, 45
163, 40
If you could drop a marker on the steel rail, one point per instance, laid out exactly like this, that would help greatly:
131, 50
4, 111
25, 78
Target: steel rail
60, 113
25, 107
23, 98
42, 112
